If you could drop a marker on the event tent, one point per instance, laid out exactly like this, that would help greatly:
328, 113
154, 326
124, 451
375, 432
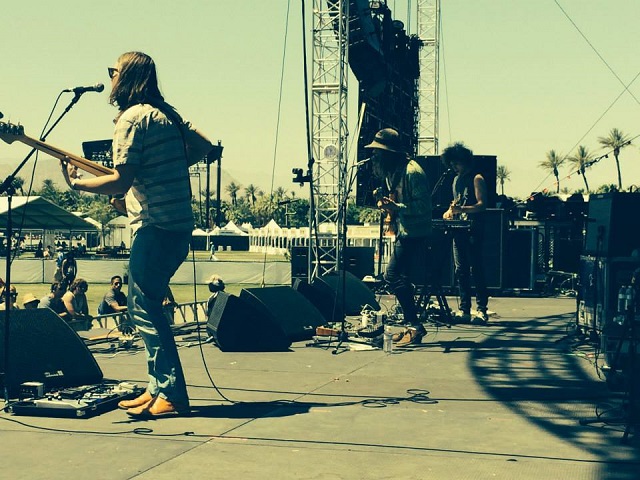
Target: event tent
37, 213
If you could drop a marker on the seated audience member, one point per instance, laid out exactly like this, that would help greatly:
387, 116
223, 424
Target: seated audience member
114, 301
54, 300
75, 300
14, 298
216, 285
29, 301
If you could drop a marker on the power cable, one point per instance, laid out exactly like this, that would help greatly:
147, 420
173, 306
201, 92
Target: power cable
277, 132
444, 71
595, 50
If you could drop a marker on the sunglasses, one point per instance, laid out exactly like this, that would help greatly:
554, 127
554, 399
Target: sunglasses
112, 72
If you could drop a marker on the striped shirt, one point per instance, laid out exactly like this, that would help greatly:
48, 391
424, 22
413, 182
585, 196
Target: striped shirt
161, 193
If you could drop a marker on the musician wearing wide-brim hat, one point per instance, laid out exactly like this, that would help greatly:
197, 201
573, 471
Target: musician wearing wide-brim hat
469, 203
406, 201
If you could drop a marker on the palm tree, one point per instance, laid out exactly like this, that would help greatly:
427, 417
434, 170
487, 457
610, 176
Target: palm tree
616, 140
581, 161
502, 174
18, 184
279, 194
251, 191
552, 162
232, 189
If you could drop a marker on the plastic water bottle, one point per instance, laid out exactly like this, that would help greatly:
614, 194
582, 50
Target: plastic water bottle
622, 306
622, 299
629, 298
387, 340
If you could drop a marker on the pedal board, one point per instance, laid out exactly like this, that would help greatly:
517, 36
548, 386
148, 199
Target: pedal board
85, 401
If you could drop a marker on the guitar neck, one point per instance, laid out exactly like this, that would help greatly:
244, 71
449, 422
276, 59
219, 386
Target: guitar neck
82, 163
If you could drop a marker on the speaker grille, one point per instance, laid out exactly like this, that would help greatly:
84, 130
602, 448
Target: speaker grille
44, 348
286, 310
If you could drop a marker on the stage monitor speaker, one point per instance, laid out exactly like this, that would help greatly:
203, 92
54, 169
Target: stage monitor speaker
237, 326
42, 347
355, 296
608, 224
286, 311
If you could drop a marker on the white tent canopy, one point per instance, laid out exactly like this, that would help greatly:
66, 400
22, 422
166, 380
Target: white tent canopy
38, 213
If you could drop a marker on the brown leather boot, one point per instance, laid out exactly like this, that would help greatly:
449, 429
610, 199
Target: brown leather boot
156, 408
136, 402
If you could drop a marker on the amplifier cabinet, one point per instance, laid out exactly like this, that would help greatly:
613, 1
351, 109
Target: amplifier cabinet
600, 280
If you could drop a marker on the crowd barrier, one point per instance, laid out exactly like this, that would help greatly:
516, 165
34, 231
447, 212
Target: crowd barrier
183, 313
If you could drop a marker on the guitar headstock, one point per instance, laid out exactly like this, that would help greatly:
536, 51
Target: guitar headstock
10, 132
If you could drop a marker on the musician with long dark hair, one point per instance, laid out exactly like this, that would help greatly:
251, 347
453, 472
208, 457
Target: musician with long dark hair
469, 203
407, 204
151, 158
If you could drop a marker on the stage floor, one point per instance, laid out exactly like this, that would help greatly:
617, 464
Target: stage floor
501, 401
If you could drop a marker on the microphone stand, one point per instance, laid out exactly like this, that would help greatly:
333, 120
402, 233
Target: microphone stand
439, 183
342, 283
8, 188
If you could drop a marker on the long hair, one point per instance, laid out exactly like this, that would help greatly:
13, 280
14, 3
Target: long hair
77, 283
137, 83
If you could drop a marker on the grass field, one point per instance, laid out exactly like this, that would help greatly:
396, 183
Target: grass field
182, 293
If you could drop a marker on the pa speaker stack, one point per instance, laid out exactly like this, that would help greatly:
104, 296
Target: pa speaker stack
609, 224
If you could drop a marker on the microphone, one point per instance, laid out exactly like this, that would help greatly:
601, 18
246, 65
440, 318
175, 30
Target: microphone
362, 162
98, 87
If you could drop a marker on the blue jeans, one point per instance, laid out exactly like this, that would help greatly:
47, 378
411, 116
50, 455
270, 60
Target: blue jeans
468, 262
156, 254
403, 264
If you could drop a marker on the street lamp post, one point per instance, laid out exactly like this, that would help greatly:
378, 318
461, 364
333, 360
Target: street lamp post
214, 155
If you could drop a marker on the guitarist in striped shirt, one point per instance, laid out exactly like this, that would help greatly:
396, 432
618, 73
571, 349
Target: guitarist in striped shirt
151, 156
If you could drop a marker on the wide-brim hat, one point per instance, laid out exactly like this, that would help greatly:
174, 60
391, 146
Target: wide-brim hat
28, 298
387, 139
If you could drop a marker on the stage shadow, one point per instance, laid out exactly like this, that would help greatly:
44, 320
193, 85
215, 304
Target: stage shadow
530, 366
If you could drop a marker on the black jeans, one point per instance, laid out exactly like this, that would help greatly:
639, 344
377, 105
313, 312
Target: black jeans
468, 261
406, 259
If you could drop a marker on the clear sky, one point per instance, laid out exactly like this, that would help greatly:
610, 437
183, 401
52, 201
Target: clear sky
517, 78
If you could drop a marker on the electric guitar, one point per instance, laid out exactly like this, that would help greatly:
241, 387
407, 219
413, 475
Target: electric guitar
460, 201
9, 133
388, 216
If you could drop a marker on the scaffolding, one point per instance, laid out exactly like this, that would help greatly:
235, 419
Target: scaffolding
331, 26
330, 132
429, 34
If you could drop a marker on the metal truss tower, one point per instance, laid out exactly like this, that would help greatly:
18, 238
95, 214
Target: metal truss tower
428, 83
329, 132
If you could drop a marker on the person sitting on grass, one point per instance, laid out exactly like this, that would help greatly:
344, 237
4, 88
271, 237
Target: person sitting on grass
54, 299
114, 301
75, 300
